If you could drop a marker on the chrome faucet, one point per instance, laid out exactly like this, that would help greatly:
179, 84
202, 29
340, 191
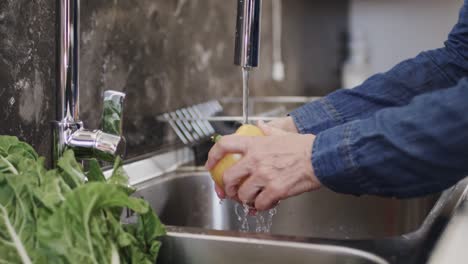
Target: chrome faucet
68, 131
247, 46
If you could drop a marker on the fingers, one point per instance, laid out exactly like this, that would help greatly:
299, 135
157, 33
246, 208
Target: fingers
227, 144
234, 176
222, 196
280, 189
301, 188
286, 124
270, 196
220, 192
270, 130
249, 190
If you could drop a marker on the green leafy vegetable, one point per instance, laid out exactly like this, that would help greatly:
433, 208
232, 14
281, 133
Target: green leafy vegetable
118, 176
112, 117
54, 216
95, 173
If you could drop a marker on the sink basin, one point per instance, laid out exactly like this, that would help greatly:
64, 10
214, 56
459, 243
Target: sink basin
187, 199
187, 247
316, 227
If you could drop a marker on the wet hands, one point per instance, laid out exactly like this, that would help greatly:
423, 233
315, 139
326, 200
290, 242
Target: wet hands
273, 168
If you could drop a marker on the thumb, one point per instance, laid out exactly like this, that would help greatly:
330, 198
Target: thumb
269, 130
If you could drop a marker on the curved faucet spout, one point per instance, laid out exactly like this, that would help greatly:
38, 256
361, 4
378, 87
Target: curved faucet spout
106, 144
88, 144
69, 131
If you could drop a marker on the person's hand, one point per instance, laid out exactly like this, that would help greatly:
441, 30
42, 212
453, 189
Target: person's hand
286, 124
273, 168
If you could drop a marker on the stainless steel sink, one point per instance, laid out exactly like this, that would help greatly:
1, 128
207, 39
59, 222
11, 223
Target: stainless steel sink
184, 247
317, 227
187, 199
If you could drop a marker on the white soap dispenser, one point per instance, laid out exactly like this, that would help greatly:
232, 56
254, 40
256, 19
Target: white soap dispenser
278, 68
357, 68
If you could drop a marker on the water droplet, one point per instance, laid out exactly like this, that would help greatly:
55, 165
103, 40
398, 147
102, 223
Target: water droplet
263, 220
271, 214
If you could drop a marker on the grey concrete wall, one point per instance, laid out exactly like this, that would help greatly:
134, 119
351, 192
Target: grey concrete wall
164, 54
27, 57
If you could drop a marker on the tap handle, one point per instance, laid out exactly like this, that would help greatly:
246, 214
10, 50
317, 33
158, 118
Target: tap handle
112, 117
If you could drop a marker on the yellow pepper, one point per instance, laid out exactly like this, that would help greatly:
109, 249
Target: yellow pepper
230, 159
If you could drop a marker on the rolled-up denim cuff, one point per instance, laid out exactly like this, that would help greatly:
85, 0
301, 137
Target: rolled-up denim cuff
334, 164
315, 117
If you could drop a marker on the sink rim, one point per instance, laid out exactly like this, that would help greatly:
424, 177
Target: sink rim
272, 240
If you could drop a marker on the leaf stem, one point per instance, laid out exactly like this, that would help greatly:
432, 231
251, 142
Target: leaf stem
10, 166
14, 236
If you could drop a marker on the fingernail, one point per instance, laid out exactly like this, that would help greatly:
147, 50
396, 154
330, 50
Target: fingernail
253, 212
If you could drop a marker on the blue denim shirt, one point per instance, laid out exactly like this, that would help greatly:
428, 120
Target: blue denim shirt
403, 133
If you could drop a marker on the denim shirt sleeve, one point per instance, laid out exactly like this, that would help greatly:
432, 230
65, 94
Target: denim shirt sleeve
429, 71
401, 152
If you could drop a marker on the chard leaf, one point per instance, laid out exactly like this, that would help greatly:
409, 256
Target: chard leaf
17, 220
95, 173
15, 243
73, 230
6, 142
112, 118
52, 191
148, 232
151, 230
7, 167
72, 170
13, 152
24, 150
52, 216
119, 176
